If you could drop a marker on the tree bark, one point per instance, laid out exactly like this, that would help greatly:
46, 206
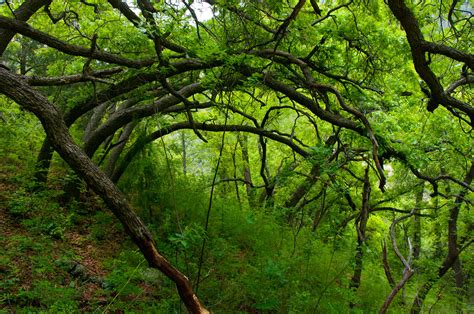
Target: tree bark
24, 29
16, 89
94, 122
425, 289
118, 148
43, 162
386, 266
419, 48
127, 115
407, 272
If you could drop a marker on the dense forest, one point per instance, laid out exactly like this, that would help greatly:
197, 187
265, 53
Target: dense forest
236, 156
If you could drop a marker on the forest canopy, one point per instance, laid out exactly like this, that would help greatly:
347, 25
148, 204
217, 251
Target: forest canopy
262, 156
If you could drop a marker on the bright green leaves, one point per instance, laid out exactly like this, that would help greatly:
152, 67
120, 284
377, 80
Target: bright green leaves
320, 153
191, 235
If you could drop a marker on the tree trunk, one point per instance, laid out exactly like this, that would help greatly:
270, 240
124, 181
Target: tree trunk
386, 266
117, 150
44, 158
243, 141
183, 145
94, 121
425, 289
361, 226
417, 225
407, 274
266, 198
406, 261
302, 189
23, 13
43, 162
16, 89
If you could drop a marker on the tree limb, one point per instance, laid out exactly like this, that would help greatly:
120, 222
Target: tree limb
74, 50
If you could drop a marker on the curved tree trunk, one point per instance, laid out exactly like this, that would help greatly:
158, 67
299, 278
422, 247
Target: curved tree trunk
16, 89
118, 148
141, 142
453, 246
94, 122
44, 158
425, 289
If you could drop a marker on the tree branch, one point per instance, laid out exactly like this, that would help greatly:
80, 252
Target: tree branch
71, 79
23, 13
140, 143
74, 50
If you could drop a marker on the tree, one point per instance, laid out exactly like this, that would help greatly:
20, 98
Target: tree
326, 90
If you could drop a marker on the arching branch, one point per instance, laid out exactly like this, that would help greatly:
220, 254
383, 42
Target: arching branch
123, 117
419, 47
139, 144
74, 50
72, 79
23, 13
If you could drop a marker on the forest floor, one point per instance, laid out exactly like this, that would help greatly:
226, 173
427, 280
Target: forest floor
52, 257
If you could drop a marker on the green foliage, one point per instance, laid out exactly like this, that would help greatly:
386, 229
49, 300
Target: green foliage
103, 221
47, 295
40, 213
124, 277
254, 254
